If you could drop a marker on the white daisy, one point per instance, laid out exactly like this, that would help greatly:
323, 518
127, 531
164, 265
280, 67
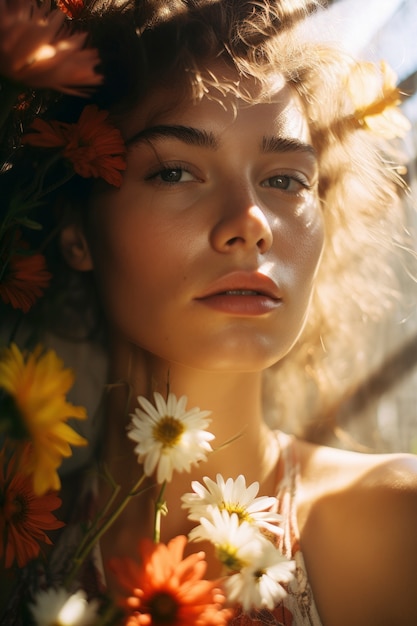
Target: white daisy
234, 497
168, 436
58, 607
236, 543
259, 585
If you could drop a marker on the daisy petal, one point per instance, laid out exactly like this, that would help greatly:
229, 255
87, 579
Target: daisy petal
169, 438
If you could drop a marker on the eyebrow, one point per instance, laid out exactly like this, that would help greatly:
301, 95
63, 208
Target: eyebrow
287, 144
187, 134
197, 137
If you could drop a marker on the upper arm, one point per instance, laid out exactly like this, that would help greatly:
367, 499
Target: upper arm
395, 551
362, 548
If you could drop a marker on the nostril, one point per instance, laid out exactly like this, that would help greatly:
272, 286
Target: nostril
233, 240
261, 243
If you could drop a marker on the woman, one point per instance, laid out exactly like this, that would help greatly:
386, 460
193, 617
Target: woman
213, 263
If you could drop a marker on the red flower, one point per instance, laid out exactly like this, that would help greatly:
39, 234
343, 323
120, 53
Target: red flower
94, 147
72, 8
24, 281
37, 49
167, 589
24, 517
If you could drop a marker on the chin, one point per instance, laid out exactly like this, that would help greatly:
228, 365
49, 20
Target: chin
240, 361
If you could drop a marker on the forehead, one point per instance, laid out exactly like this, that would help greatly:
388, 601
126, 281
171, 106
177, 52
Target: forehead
277, 109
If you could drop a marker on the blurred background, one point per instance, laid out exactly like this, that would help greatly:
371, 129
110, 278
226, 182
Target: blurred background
382, 413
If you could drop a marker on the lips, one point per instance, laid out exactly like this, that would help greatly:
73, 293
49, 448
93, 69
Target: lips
243, 283
242, 293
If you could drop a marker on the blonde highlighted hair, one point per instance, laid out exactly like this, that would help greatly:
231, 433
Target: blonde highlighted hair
152, 42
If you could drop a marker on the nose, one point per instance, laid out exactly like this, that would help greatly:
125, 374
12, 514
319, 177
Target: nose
242, 225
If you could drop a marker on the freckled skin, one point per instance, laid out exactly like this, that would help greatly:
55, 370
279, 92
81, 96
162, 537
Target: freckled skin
158, 245
189, 212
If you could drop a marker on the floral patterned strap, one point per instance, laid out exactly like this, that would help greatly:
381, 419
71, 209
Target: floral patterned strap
298, 607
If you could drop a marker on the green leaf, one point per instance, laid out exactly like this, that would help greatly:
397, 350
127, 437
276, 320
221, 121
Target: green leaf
28, 223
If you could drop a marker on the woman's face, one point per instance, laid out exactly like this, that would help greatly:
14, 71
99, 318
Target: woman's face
207, 253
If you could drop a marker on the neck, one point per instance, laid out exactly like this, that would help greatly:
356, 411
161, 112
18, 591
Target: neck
243, 442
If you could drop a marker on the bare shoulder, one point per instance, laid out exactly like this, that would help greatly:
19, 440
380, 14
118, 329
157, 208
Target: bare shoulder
359, 534
346, 469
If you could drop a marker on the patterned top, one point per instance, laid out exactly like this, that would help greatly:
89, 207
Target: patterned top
297, 608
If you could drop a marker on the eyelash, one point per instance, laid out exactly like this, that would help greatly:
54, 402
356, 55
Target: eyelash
300, 180
156, 177
169, 167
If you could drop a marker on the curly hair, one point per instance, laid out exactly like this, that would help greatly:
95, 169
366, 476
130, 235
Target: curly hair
148, 43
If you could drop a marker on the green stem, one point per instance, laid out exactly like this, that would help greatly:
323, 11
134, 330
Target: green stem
23, 204
160, 509
33, 194
95, 523
56, 185
87, 547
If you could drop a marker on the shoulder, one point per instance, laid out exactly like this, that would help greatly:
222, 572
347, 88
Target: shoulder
359, 534
325, 469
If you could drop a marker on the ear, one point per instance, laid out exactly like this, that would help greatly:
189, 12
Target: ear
75, 248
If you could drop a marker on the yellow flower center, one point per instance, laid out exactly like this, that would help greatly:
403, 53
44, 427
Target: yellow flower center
233, 507
12, 420
168, 431
227, 555
15, 510
163, 608
19, 505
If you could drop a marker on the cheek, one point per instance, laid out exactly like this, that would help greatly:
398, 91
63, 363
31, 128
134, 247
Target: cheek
312, 240
126, 267
139, 262
300, 244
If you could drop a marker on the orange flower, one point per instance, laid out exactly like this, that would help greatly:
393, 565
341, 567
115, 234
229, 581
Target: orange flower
72, 8
37, 49
24, 281
168, 589
94, 147
24, 517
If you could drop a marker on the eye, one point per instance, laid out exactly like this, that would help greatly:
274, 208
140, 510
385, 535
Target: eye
292, 184
171, 175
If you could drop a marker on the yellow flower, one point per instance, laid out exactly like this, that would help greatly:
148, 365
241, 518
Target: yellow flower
376, 99
35, 386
